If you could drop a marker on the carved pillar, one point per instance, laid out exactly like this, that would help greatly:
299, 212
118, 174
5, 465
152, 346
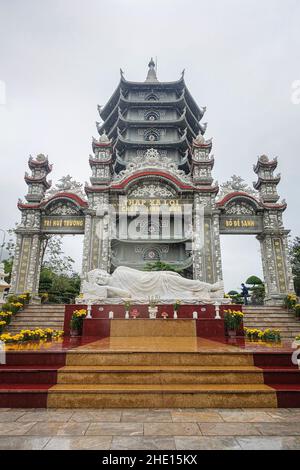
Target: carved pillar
276, 266
206, 247
16, 263
86, 263
288, 266
217, 247
27, 263
97, 240
198, 239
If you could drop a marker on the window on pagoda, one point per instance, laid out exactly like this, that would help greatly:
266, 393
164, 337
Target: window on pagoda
151, 255
152, 135
151, 97
152, 116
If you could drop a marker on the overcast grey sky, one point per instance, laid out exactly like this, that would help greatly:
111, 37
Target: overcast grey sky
59, 58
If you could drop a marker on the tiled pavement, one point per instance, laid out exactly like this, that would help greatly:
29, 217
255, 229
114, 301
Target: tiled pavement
191, 429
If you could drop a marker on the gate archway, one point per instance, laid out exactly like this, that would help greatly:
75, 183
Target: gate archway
242, 214
64, 213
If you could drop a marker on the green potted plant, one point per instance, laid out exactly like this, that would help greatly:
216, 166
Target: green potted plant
297, 310
271, 335
233, 320
290, 301
127, 306
76, 323
152, 309
176, 307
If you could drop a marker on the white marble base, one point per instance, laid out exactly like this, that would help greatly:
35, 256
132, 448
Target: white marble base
119, 301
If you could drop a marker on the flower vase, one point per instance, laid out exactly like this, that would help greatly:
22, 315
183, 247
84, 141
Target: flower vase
232, 333
152, 312
74, 333
127, 315
175, 316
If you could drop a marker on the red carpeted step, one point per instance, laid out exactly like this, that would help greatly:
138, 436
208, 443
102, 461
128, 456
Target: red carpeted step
24, 358
23, 396
288, 395
283, 375
279, 359
28, 375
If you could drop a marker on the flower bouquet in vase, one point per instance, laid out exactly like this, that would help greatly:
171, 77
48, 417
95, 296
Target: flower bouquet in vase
152, 309
233, 320
176, 306
127, 305
76, 323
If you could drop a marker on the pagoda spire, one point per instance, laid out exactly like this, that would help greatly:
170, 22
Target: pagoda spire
266, 182
37, 182
151, 75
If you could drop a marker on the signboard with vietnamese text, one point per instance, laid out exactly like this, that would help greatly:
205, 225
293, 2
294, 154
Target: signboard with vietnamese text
152, 205
246, 224
63, 224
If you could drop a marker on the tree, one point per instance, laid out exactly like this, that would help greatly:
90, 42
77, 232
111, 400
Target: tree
53, 256
294, 252
254, 281
161, 266
8, 268
257, 290
61, 288
57, 277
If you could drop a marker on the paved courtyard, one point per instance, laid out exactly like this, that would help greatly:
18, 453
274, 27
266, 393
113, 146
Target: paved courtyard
149, 429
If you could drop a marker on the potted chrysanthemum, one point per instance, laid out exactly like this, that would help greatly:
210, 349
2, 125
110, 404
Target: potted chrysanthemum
233, 320
76, 323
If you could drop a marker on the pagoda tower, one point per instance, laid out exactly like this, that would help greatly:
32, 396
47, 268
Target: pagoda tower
151, 151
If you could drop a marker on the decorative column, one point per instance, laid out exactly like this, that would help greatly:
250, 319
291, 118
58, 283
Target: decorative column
29, 239
276, 266
274, 238
96, 248
217, 246
198, 239
27, 260
207, 249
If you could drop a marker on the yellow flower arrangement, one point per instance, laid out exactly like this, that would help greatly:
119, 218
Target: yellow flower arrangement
77, 319
233, 319
290, 301
268, 334
31, 335
80, 313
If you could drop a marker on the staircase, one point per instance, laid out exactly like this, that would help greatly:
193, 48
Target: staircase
85, 377
38, 316
154, 380
277, 317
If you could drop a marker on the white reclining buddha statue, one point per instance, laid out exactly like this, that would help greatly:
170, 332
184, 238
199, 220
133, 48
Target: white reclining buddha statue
131, 283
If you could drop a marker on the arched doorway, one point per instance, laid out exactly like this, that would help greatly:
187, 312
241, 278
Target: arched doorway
62, 214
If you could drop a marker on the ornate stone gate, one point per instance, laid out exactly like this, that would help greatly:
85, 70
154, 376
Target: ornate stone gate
151, 150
